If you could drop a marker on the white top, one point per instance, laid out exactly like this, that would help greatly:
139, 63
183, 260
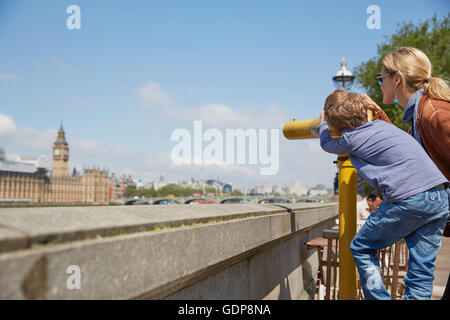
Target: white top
362, 210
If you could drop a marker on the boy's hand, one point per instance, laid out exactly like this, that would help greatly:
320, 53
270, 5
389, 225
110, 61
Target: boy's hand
322, 116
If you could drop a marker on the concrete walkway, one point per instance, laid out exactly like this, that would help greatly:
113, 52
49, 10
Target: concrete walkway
442, 269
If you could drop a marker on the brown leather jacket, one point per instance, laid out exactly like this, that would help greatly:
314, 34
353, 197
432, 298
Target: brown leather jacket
433, 119
433, 122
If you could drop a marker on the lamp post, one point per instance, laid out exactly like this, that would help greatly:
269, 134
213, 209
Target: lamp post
347, 205
343, 78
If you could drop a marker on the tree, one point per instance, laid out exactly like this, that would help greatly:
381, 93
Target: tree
236, 193
431, 36
168, 189
129, 191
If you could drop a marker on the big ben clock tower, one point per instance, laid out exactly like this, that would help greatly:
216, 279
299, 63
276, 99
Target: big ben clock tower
60, 155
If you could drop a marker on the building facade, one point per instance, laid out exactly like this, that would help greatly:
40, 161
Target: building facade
117, 186
20, 180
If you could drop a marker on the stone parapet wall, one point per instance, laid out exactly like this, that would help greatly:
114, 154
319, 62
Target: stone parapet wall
235, 251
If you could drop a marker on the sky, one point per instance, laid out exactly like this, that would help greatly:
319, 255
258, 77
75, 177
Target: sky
136, 71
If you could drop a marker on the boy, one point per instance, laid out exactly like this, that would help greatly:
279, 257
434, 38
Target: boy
415, 205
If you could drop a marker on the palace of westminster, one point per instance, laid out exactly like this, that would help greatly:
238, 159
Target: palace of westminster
24, 181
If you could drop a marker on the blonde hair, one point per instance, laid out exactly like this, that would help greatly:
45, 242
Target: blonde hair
345, 110
415, 68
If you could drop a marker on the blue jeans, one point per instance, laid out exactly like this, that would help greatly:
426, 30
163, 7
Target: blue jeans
420, 220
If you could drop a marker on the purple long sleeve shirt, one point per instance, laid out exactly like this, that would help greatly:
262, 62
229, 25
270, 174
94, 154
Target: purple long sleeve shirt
388, 158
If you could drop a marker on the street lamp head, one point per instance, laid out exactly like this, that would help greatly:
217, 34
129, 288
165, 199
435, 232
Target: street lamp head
343, 78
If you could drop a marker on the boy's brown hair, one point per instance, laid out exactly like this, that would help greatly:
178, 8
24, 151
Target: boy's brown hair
346, 110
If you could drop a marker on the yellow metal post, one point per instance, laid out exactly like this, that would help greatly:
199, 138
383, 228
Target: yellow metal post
347, 228
307, 129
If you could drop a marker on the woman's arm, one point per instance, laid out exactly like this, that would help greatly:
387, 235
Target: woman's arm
435, 135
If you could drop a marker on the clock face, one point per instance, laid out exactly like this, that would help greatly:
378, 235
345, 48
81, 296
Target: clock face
57, 152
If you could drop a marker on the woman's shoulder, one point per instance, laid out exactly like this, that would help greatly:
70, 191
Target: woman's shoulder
433, 104
430, 108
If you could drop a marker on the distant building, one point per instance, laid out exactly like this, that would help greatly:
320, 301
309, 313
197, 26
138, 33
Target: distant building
227, 188
261, 189
159, 184
195, 184
318, 190
279, 190
214, 183
297, 188
38, 161
148, 184
29, 179
139, 183
117, 185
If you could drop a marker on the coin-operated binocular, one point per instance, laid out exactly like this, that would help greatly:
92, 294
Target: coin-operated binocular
304, 129
307, 129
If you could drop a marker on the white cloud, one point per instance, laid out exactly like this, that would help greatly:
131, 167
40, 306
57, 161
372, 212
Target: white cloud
224, 117
80, 101
36, 140
95, 148
60, 64
153, 97
7, 124
213, 115
9, 76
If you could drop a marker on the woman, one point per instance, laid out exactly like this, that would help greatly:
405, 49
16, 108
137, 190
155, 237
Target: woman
406, 80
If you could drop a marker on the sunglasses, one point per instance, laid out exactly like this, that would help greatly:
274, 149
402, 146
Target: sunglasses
379, 78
